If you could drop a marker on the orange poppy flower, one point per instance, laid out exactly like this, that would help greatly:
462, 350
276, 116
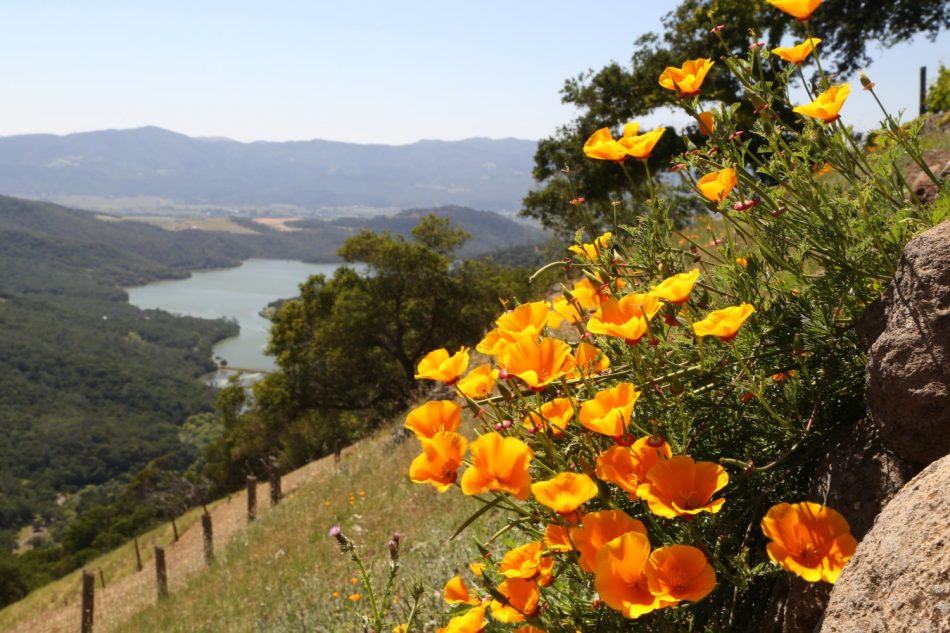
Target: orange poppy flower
686, 79
707, 123
724, 323
477, 568
456, 592
797, 54
472, 621
590, 360
440, 460
556, 538
596, 529
538, 364
602, 146
627, 467
434, 416
610, 410
565, 492
438, 365
826, 105
554, 415
589, 295
680, 572
716, 186
498, 463
527, 628
624, 318
527, 562
639, 145
809, 540
620, 577
676, 289
527, 320
801, 9
521, 600
679, 486
593, 250
479, 382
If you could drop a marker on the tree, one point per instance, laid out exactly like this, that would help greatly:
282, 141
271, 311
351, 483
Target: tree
615, 94
348, 346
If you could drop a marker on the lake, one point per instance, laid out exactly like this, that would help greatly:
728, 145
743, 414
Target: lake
235, 293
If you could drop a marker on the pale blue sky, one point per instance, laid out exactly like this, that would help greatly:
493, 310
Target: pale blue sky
360, 71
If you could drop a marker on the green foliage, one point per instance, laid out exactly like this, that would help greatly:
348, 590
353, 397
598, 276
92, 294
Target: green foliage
616, 94
938, 97
347, 348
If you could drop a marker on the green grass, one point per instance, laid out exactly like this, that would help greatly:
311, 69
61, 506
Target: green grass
280, 574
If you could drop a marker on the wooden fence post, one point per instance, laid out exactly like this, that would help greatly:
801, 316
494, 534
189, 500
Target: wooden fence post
88, 600
208, 538
923, 90
102, 578
273, 473
160, 573
251, 498
138, 555
175, 529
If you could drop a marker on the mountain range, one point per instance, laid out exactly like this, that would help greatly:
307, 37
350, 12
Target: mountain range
151, 169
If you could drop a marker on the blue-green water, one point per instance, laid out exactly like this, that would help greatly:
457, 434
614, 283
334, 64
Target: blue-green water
235, 293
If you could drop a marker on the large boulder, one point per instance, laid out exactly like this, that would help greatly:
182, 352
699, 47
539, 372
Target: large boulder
857, 476
908, 374
899, 577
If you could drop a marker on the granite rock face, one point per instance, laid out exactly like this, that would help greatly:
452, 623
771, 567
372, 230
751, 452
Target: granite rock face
899, 577
908, 375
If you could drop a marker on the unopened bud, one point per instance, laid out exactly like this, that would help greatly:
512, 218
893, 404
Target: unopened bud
866, 82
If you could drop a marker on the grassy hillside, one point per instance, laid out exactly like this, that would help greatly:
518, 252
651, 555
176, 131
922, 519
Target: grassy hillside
280, 573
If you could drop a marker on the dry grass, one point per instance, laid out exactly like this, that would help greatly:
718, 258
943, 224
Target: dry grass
279, 573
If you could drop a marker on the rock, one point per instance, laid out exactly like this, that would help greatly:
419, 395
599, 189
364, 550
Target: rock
924, 188
899, 577
908, 374
857, 476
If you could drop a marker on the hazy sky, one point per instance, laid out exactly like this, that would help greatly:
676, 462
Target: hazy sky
361, 71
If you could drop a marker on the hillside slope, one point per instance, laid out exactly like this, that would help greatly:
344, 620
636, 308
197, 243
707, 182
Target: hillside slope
279, 573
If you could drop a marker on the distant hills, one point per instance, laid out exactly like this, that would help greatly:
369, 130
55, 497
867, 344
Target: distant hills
151, 169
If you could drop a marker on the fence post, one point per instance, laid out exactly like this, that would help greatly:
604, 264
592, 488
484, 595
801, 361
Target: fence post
138, 555
208, 538
923, 90
251, 498
273, 473
160, 573
175, 529
102, 578
88, 600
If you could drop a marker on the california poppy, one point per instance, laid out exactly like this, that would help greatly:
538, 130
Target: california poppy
716, 185
799, 53
686, 79
521, 600
610, 410
676, 289
680, 572
801, 9
826, 105
438, 365
498, 463
596, 529
620, 577
434, 416
724, 323
440, 460
565, 492
809, 540
679, 486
